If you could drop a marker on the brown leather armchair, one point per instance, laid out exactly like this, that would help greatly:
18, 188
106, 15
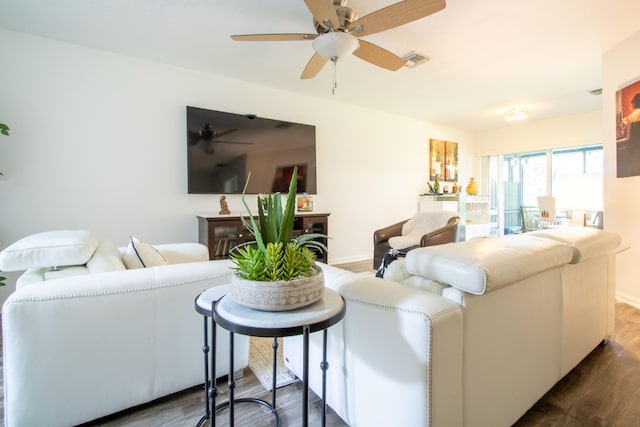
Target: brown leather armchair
440, 236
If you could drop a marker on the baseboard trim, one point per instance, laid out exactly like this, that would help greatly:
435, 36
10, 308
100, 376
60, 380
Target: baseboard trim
345, 260
627, 299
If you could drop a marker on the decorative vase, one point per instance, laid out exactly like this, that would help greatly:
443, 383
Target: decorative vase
472, 187
277, 296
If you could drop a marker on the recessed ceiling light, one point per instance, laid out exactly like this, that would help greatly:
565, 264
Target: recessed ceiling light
516, 112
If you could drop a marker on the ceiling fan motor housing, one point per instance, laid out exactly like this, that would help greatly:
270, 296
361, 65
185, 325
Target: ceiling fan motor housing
346, 16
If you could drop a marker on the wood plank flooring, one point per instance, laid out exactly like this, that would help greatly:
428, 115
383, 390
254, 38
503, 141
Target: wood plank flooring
603, 390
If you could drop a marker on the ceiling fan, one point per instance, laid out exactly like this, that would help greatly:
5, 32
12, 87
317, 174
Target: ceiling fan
340, 32
208, 137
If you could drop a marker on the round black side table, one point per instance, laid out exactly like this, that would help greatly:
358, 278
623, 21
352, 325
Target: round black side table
237, 319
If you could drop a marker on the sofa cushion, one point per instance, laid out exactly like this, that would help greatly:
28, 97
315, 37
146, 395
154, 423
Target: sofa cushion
140, 254
49, 249
483, 265
587, 242
106, 258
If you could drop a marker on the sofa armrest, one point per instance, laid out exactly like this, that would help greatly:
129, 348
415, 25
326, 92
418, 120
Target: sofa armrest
394, 338
443, 235
383, 234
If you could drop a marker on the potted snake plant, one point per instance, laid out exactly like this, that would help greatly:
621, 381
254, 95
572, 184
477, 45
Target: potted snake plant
277, 270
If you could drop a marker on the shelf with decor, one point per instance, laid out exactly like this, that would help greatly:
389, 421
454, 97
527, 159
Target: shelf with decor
220, 233
474, 211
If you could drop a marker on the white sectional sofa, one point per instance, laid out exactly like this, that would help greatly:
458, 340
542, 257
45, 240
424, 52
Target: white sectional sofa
468, 334
463, 334
84, 337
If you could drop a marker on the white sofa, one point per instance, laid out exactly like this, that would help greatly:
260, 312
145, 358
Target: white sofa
468, 334
93, 338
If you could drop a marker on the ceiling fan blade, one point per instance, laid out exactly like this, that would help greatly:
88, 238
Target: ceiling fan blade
273, 37
395, 15
324, 12
313, 67
376, 55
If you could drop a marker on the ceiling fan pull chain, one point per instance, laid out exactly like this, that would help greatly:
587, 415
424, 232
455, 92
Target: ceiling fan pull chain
334, 60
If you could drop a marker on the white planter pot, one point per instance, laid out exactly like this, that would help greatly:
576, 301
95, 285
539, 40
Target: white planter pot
277, 296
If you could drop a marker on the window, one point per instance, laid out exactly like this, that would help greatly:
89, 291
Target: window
576, 160
523, 177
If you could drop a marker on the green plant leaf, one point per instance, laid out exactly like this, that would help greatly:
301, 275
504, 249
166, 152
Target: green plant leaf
312, 240
249, 262
277, 216
272, 223
4, 129
286, 231
263, 220
254, 227
274, 261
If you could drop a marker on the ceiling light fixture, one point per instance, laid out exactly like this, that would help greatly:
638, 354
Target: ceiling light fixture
333, 46
517, 112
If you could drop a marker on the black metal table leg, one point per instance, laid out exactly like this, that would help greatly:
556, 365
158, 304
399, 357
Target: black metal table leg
213, 388
324, 365
305, 376
274, 371
205, 351
231, 382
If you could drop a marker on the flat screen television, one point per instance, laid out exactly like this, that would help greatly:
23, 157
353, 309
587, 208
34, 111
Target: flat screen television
222, 148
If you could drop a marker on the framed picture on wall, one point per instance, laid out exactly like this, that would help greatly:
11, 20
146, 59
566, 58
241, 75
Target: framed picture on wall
628, 130
451, 161
436, 159
443, 160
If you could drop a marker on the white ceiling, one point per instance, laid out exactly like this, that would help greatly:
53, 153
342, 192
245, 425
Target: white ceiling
486, 55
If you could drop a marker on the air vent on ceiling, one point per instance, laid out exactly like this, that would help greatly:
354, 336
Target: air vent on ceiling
413, 59
596, 92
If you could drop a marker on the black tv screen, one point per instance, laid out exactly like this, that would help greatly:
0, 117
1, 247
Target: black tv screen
222, 148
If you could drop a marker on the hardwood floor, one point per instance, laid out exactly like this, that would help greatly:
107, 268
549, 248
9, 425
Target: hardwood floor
603, 390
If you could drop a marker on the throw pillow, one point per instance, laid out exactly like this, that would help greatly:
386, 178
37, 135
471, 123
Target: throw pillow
140, 255
49, 249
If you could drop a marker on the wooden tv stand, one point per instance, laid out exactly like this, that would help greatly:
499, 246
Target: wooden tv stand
220, 233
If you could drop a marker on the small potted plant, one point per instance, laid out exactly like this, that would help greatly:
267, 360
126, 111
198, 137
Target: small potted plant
276, 271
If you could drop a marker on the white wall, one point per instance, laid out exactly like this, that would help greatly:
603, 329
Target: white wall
621, 66
559, 132
98, 142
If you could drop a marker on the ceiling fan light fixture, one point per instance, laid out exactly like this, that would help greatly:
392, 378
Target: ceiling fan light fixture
517, 112
335, 44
